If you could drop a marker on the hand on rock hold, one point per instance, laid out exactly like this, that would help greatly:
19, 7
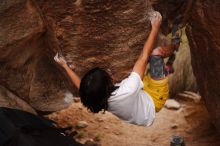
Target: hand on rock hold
60, 60
155, 18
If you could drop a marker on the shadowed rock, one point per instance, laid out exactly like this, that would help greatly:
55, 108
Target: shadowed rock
26, 63
8, 99
203, 31
92, 33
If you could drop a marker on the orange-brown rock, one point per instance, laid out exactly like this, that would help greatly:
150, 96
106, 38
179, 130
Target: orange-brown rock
89, 33
203, 31
92, 33
26, 64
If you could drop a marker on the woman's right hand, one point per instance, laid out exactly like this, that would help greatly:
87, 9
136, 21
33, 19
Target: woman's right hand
60, 60
156, 19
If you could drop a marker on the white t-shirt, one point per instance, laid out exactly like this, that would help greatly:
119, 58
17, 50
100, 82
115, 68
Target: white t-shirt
131, 103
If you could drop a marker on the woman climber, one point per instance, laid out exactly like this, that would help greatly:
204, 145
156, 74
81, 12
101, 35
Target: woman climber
137, 98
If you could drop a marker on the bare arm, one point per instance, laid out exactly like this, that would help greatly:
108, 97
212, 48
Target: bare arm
141, 63
72, 75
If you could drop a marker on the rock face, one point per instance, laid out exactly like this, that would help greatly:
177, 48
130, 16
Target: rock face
102, 33
26, 66
92, 33
9, 100
88, 33
183, 78
203, 31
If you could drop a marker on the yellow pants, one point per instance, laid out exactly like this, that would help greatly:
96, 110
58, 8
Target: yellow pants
158, 90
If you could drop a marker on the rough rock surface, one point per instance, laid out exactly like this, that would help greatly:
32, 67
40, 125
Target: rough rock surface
88, 33
8, 99
26, 66
91, 33
203, 31
104, 33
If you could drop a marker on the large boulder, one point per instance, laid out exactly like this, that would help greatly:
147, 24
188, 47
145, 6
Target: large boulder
92, 33
105, 33
89, 33
26, 64
9, 100
203, 31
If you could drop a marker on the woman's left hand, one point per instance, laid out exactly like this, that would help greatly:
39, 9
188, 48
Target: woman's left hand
60, 60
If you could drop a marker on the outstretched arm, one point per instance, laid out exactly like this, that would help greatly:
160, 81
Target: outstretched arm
72, 75
141, 63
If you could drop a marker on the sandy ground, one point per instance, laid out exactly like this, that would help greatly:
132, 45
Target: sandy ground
191, 122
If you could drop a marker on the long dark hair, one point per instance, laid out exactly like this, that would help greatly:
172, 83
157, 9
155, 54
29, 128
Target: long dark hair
95, 88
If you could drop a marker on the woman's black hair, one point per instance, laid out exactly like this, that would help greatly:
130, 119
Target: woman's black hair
95, 88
